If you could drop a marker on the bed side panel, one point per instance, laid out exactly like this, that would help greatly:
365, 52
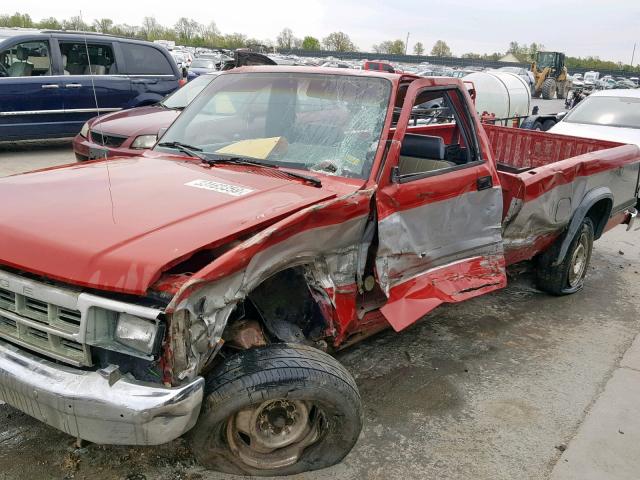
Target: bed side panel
551, 194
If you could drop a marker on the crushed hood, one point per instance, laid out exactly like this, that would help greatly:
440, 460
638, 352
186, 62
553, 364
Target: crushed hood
118, 228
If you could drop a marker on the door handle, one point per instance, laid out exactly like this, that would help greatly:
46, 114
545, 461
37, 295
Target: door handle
73, 85
483, 183
49, 86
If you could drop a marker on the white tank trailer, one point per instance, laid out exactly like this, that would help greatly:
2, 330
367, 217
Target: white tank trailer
503, 94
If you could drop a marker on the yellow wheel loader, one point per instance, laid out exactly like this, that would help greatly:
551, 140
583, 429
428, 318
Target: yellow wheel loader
550, 74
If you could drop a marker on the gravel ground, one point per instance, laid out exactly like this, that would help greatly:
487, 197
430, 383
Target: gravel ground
493, 388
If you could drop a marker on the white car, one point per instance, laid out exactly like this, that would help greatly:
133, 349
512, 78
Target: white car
605, 115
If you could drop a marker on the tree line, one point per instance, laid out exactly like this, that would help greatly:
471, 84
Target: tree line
187, 31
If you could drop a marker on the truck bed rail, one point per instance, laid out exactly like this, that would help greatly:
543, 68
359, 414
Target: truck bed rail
519, 150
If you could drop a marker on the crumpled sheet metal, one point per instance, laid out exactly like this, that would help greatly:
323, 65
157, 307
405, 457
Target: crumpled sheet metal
438, 233
450, 283
551, 195
325, 238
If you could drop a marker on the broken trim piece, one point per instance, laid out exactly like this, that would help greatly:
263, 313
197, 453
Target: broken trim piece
452, 283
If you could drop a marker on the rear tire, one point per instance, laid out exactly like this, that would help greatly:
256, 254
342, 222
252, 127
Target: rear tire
277, 410
549, 89
568, 276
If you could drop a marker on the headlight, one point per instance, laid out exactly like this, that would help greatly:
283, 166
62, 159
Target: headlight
144, 141
136, 333
84, 131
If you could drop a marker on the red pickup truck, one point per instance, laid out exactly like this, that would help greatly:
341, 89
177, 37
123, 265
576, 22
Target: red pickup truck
287, 213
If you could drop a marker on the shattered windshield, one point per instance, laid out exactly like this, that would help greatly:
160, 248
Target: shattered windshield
317, 122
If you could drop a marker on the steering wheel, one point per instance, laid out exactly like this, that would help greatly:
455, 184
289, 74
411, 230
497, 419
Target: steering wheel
4, 71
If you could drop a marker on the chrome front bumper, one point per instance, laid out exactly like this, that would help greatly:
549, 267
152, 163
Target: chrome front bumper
97, 406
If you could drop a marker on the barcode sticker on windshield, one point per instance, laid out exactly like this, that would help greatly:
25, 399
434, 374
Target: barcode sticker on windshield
233, 190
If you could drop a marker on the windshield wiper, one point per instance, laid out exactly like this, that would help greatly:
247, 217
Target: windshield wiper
213, 159
190, 150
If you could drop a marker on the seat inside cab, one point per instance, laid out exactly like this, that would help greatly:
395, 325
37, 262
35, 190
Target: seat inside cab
422, 153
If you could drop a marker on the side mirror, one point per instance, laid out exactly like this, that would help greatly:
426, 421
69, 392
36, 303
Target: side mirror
161, 132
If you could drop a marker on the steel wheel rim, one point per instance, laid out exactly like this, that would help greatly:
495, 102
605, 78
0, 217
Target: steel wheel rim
273, 434
578, 265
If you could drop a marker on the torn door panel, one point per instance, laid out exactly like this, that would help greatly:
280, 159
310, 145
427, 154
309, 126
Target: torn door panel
436, 234
443, 251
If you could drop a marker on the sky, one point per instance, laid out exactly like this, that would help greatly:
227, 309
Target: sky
579, 28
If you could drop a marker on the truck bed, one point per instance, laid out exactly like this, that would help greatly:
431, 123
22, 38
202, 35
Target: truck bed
516, 150
545, 177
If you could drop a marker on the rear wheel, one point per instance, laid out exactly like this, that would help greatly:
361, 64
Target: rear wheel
277, 410
568, 276
549, 89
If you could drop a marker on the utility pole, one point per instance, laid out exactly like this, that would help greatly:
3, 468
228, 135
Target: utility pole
633, 54
406, 44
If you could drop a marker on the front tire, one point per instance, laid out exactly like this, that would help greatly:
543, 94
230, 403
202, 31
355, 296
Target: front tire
568, 276
277, 410
549, 89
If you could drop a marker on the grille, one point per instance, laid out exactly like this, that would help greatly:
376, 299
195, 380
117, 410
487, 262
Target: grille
107, 140
43, 327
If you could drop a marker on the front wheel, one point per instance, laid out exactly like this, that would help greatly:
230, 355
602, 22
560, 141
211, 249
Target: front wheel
568, 276
549, 89
277, 410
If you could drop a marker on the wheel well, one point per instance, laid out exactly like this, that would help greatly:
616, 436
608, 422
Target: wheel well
286, 307
599, 214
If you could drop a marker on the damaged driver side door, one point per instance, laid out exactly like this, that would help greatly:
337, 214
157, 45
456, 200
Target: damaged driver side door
439, 208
